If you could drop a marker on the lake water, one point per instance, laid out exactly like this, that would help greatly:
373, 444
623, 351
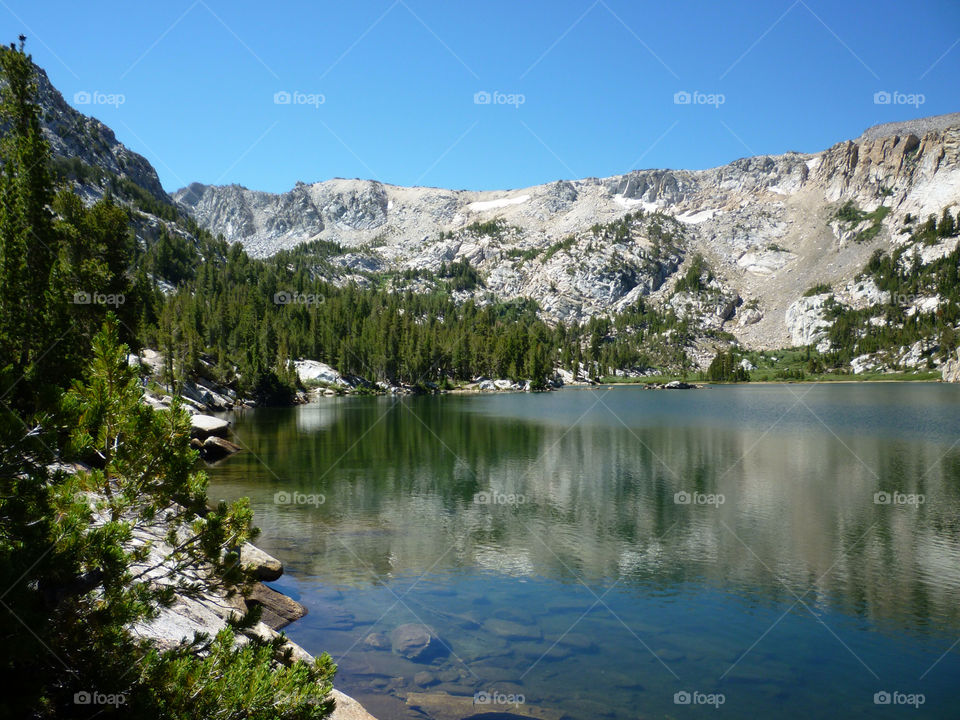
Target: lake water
769, 551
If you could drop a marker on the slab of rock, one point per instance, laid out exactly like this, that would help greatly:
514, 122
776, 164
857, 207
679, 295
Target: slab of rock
750, 316
203, 426
542, 650
377, 641
425, 679
582, 643
347, 708
216, 448
155, 403
278, 609
806, 319
416, 642
208, 393
265, 566
318, 372
509, 630
443, 706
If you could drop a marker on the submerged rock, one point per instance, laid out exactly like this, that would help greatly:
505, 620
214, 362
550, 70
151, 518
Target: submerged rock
581, 643
542, 651
377, 641
425, 679
416, 642
492, 702
510, 630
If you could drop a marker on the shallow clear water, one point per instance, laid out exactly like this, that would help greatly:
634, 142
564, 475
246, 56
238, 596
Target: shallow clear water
586, 586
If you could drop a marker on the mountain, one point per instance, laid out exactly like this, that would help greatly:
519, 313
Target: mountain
767, 252
88, 157
767, 226
89, 152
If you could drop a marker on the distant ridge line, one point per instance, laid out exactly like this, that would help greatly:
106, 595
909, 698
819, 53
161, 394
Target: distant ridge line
917, 126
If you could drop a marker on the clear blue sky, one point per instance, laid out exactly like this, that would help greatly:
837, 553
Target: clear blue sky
398, 79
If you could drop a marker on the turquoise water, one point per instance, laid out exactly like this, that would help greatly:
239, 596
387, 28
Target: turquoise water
729, 543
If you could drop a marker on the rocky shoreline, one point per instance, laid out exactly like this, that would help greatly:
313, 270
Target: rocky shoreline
209, 613
324, 381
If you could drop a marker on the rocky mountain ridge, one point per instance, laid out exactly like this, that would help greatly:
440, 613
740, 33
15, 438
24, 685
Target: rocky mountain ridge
767, 226
96, 154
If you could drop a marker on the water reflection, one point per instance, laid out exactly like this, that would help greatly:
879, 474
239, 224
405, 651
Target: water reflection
597, 500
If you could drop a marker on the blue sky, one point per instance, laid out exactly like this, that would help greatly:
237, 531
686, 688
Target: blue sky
388, 89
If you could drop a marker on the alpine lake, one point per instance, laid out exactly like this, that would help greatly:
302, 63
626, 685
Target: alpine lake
781, 551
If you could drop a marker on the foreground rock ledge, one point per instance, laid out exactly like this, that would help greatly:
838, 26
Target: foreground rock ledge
209, 614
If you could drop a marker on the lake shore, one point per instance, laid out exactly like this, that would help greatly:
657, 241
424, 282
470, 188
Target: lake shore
210, 613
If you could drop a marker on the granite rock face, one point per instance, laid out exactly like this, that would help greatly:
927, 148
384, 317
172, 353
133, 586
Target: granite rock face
951, 369
806, 319
74, 135
765, 224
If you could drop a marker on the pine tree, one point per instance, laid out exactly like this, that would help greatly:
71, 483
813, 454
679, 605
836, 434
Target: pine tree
946, 227
74, 574
28, 242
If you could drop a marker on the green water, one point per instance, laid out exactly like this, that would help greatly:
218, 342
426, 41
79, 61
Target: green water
585, 586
